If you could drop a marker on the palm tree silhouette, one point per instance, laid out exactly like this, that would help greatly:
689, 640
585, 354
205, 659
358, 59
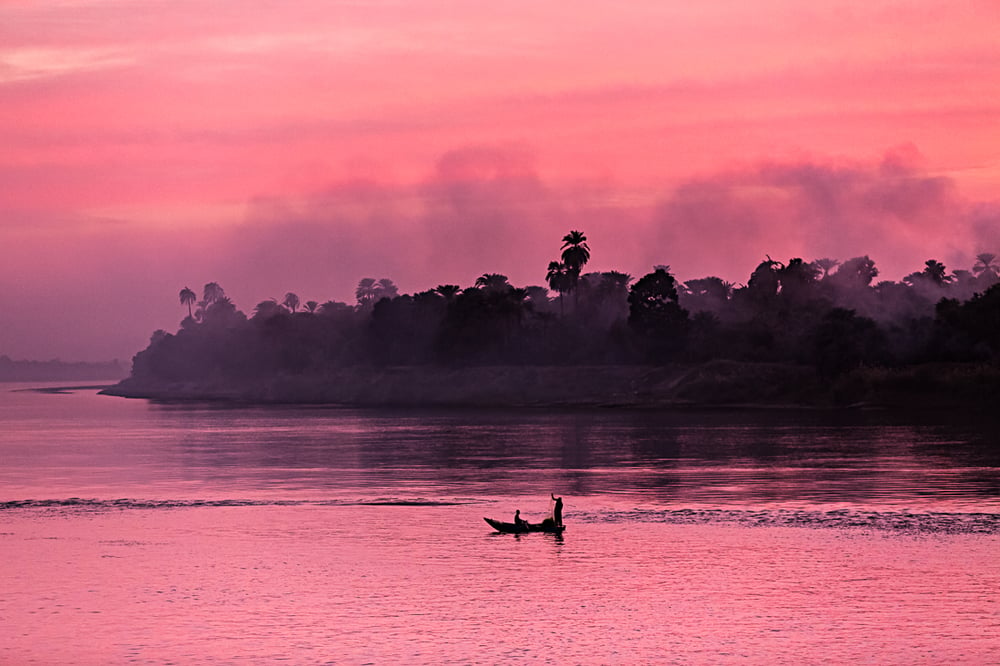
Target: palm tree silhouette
370, 291
493, 282
387, 289
575, 254
188, 298
311, 307
986, 262
449, 291
366, 292
575, 251
558, 280
826, 265
213, 293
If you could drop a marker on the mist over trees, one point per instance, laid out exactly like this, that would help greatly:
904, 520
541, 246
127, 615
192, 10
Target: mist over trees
833, 315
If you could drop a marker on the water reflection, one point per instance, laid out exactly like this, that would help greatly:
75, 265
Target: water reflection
719, 458
72, 445
295, 535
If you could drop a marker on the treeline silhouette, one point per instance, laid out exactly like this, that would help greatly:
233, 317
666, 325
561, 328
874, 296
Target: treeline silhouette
56, 370
829, 314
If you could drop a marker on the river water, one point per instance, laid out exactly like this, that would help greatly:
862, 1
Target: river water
133, 532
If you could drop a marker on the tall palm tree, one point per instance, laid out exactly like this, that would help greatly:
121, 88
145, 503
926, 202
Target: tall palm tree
188, 298
575, 254
575, 251
558, 280
554, 274
291, 301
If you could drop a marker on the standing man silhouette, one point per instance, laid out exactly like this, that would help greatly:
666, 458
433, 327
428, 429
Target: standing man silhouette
557, 510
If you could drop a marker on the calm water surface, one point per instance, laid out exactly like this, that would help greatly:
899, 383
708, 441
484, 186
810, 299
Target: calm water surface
141, 533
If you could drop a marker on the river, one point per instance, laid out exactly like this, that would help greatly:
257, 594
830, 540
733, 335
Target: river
134, 532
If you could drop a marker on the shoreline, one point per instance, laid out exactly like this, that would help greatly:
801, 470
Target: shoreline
63, 389
706, 386
611, 386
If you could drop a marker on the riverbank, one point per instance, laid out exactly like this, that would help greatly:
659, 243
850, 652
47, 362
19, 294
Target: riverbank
504, 386
712, 384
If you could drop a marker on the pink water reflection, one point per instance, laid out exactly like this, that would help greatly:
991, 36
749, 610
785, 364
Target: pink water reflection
432, 584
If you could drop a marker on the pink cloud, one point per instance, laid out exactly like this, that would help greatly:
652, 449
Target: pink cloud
891, 209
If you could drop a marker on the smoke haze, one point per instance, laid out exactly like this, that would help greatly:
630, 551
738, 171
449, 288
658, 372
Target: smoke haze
481, 209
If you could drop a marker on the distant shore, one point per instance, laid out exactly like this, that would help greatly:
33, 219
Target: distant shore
65, 389
59, 371
711, 384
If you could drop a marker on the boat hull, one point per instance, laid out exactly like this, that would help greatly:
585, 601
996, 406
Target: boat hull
511, 528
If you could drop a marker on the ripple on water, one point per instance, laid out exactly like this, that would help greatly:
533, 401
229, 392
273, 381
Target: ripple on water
900, 521
102, 505
894, 521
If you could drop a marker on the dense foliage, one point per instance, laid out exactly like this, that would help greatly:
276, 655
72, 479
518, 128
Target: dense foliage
826, 314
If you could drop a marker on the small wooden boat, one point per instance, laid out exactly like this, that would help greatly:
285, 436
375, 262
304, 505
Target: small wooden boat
511, 528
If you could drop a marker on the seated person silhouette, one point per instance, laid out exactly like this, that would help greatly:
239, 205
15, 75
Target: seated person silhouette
519, 522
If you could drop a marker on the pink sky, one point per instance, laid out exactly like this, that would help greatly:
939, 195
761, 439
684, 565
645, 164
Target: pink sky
300, 146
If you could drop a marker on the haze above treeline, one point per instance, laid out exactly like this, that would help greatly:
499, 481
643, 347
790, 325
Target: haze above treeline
831, 315
481, 211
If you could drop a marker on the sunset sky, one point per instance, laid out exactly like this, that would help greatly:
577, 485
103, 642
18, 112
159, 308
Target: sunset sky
300, 146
